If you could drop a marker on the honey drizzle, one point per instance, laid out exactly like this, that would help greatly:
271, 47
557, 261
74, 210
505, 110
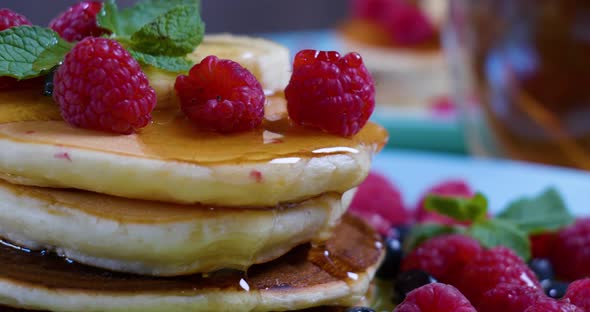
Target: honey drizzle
32, 118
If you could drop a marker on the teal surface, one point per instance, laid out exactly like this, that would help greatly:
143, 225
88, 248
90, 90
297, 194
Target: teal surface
501, 180
423, 134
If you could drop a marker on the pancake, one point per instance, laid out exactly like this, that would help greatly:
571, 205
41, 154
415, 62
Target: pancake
268, 61
170, 160
303, 278
410, 76
156, 238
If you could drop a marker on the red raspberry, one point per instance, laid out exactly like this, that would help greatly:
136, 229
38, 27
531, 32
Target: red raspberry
379, 202
407, 24
509, 298
79, 22
369, 9
221, 95
446, 188
551, 305
435, 298
333, 93
541, 244
578, 293
493, 267
570, 254
100, 86
443, 257
9, 18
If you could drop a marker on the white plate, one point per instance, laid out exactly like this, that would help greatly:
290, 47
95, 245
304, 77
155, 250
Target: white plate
501, 180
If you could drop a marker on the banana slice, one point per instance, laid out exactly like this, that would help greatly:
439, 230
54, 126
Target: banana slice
267, 60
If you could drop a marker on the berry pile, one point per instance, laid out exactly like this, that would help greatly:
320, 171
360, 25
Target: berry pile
464, 275
403, 20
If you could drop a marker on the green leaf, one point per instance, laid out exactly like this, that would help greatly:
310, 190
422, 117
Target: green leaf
108, 17
126, 22
176, 64
541, 213
497, 232
459, 208
21, 47
176, 33
51, 57
425, 231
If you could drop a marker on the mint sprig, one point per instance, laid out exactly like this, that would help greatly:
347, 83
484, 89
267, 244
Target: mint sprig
30, 51
124, 23
159, 33
542, 213
170, 63
497, 232
458, 208
176, 33
511, 228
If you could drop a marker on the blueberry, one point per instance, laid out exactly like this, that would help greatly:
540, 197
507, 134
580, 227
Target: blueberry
393, 252
359, 309
543, 268
554, 289
410, 280
48, 84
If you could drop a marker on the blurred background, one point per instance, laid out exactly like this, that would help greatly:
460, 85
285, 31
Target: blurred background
236, 16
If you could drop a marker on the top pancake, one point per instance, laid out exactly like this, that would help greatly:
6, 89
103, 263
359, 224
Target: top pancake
170, 160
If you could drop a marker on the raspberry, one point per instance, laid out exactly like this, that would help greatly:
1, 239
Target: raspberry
443, 257
9, 18
435, 298
570, 254
493, 267
541, 244
407, 24
330, 92
369, 9
221, 95
79, 22
379, 202
446, 188
552, 305
508, 298
100, 86
578, 293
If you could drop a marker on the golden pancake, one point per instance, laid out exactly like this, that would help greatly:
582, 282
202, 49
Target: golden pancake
338, 274
156, 238
170, 160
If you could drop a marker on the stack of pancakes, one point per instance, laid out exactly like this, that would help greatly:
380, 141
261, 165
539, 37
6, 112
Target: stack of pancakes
175, 219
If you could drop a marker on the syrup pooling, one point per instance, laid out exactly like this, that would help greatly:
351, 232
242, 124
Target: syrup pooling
353, 242
27, 116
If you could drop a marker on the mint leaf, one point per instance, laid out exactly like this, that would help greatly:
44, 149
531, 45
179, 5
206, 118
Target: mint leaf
176, 33
21, 47
128, 21
497, 232
109, 17
541, 213
51, 57
176, 64
459, 208
425, 231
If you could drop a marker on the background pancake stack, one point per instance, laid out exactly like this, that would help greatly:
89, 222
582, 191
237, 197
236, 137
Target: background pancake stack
175, 219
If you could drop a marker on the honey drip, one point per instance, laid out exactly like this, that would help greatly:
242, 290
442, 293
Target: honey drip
353, 245
30, 117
